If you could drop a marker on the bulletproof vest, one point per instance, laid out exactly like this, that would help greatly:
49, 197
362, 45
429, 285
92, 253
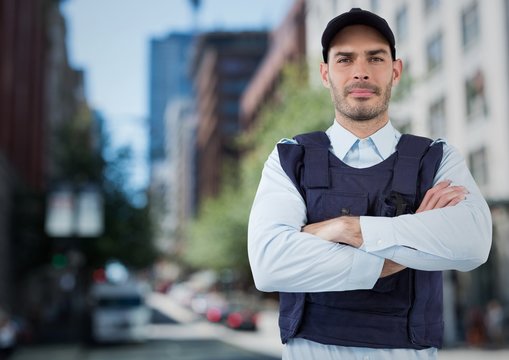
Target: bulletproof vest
403, 310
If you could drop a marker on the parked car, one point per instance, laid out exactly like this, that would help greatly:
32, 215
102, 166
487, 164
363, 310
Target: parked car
217, 309
241, 316
119, 312
236, 314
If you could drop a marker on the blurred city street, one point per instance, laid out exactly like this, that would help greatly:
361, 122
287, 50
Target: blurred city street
133, 135
192, 338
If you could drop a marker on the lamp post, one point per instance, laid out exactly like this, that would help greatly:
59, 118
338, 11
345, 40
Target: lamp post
72, 214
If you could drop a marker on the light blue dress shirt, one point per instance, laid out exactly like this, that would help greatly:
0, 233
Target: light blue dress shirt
285, 259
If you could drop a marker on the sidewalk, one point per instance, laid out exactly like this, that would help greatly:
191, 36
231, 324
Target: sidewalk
473, 354
263, 341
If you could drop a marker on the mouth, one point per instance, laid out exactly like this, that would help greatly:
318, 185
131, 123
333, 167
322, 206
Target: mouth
361, 90
363, 93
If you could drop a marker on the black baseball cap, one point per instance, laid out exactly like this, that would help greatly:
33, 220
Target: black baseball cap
357, 16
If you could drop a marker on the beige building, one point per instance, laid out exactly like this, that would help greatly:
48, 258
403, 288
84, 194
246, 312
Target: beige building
455, 55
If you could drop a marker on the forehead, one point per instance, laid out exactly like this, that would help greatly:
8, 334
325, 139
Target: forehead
359, 35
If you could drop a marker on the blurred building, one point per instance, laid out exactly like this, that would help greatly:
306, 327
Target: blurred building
287, 46
23, 118
169, 80
455, 86
223, 65
38, 92
171, 91
180, 174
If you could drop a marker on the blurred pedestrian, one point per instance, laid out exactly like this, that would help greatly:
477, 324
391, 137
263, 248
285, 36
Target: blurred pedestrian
7, 335
494, 320
476, 328
354, 225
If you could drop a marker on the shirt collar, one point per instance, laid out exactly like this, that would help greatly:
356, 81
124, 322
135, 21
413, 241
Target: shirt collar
342, 140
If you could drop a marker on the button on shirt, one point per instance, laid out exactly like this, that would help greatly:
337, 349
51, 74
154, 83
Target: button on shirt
285, 259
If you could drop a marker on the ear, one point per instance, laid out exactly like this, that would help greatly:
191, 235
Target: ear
324, 74
397, 70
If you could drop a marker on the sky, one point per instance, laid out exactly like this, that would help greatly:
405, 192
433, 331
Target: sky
109, 40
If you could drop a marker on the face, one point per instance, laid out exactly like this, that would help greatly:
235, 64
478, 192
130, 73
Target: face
360, 74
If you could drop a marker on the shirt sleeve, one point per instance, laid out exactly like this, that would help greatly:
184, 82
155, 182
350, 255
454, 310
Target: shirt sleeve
283, 258
452, 238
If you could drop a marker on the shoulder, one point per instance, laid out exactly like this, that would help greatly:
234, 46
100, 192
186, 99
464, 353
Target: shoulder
452, 158
274, 157
288, 141
448, 149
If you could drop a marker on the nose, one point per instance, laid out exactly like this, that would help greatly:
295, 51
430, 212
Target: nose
361, 76
360, 72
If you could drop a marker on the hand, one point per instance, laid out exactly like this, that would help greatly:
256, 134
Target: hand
346, 230
343, 229
442, 195
390, 267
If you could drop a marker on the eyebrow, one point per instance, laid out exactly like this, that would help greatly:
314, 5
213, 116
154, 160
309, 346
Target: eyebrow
377, 51
368, 52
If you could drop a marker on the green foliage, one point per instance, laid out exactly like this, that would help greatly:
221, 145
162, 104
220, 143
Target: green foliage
218, 238
299, 109
127, 228
127, 233
73, 155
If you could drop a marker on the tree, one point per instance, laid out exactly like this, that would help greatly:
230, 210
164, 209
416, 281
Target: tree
127, 233
79, 160
218, 237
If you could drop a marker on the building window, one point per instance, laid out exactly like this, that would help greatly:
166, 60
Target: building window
236, 66
431, 5
230, 107
402, 24
478, 164
470, 24
434, 52
475, 96
233, 86
437, 122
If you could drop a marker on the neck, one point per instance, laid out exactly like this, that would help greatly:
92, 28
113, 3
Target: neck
365, 128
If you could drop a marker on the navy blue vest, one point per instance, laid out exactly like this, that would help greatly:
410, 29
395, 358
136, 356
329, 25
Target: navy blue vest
403, 310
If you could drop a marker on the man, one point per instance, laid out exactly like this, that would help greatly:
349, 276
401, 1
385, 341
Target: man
354, 225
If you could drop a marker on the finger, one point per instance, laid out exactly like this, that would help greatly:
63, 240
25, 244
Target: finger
429, 194
455, 201
442, 197
435, 198
445, 199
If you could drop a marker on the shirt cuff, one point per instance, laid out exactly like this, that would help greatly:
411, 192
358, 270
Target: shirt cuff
365, 271
377, 233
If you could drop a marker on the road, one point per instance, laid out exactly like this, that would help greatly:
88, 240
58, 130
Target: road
175, 333
153, 350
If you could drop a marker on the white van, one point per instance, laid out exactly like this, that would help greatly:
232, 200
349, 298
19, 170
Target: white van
119, 312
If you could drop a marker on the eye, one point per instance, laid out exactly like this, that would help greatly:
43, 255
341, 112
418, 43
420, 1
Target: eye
343, 60
376, 59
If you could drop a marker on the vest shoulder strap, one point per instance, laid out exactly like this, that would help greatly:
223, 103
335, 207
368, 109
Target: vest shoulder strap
290, 157
410, 151
312, 149
316, 157
314, 139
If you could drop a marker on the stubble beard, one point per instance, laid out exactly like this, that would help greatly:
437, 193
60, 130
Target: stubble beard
361, 111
